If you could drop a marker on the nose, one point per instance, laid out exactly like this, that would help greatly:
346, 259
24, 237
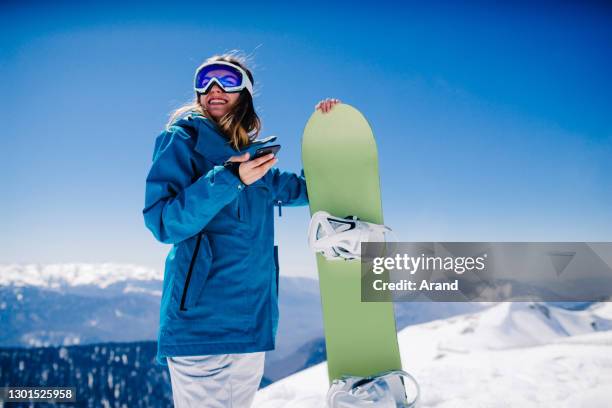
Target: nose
216, 89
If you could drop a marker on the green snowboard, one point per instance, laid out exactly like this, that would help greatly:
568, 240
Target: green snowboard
340, 163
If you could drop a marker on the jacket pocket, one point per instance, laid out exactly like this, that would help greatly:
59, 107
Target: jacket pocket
196, 276
240, 207
255, 204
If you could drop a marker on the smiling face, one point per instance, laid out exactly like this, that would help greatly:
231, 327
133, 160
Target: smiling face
218, 102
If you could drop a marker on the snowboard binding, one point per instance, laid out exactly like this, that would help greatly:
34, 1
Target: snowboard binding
389, 389
340, 238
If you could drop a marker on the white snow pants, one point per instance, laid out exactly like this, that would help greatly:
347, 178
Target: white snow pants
215, 381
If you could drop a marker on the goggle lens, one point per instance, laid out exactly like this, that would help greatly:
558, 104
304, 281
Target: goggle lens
228, 76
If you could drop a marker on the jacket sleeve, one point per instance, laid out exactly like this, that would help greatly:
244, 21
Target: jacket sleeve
288, 188
176, 206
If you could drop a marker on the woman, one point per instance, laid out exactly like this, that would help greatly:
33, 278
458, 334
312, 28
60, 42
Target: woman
219, 306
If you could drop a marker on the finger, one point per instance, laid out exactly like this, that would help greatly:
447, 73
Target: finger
248, 165
257, 162
242, 158
265, 167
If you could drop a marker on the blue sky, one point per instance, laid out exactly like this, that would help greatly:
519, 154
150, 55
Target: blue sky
492, 124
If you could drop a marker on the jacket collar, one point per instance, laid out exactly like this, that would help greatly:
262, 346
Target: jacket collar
212, 144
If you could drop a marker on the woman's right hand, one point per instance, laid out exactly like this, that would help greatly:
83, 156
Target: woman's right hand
327, 104
252, 170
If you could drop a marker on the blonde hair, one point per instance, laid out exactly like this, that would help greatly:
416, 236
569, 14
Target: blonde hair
241, 124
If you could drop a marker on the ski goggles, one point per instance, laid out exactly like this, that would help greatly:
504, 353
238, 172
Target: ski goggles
230, 77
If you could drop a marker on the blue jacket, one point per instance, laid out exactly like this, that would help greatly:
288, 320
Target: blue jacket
220, 289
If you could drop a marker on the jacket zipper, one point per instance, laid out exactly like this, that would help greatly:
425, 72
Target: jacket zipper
280, 205
188, 278
277, 267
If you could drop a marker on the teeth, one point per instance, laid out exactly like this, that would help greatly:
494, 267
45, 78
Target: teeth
217, 102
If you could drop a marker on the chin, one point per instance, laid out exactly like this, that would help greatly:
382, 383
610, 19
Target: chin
216, 114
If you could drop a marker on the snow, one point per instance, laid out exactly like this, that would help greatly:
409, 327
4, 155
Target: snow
135, 289
512, 354
74, 274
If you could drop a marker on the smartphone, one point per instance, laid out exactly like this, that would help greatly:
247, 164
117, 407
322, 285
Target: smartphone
262, 151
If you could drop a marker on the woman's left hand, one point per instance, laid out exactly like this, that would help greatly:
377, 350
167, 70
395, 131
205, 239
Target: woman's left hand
326, 104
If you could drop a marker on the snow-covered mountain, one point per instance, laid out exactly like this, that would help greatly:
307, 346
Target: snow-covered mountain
512, 354
77, 277
76, 303
80, 303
